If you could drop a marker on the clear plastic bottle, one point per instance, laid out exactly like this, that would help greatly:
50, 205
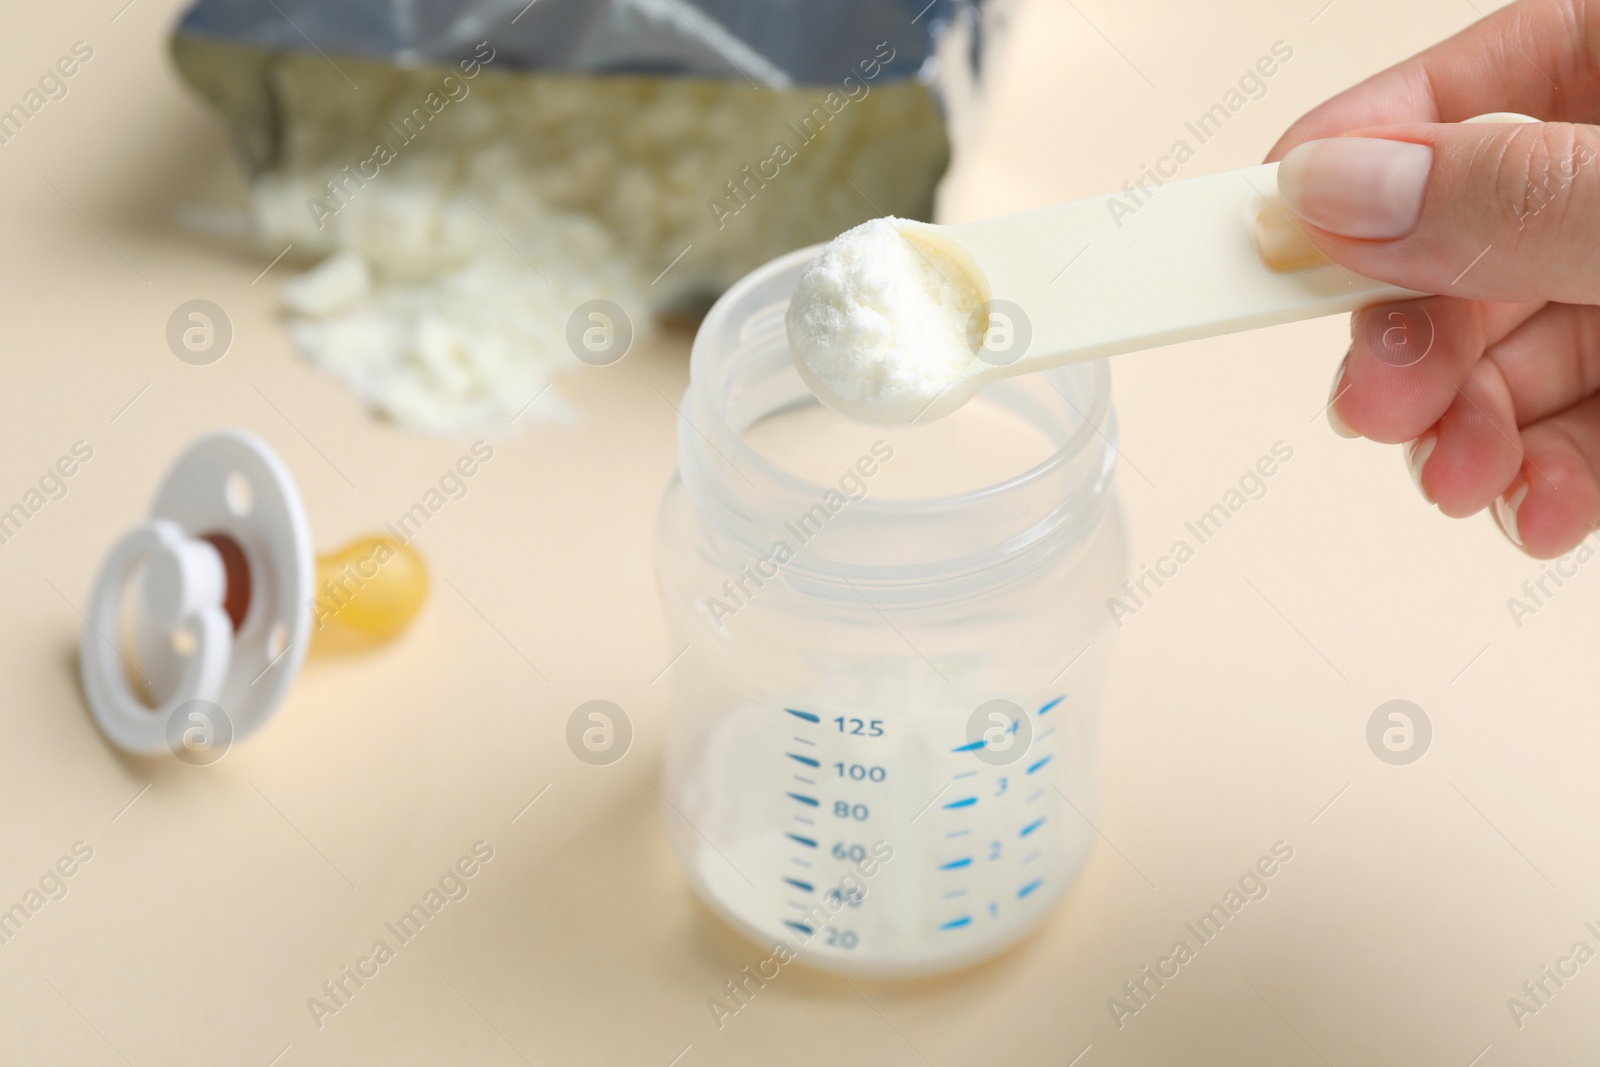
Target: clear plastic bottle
883, 728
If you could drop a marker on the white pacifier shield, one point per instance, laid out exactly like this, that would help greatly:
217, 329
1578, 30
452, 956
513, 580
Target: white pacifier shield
228, 483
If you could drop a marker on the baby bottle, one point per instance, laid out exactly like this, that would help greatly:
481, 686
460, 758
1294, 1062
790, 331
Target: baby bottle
894, 641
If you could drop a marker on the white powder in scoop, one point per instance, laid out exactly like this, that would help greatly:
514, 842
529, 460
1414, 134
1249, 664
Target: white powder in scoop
881, 324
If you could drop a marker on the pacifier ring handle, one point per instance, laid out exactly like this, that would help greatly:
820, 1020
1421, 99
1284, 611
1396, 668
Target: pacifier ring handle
185, 582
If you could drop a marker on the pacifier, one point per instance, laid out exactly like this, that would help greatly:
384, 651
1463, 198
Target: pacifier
202, 615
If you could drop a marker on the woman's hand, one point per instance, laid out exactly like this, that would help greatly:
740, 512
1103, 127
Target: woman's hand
1495, 387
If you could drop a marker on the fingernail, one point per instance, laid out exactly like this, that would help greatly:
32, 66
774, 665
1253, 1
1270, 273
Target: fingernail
1417, 453
1357, 186
1340, 427
1506, 506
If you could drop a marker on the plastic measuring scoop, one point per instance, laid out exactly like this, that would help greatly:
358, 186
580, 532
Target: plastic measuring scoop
202, 615
1099, 277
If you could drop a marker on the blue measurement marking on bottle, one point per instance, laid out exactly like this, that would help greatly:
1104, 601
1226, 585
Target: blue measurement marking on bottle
958, 833
1030, 857
964, 802
955, 893
963, 774
1048, 733
956, 924
1031, 827
971, 746
808, 800
1046, 709
1035, 795
1030, 887
1035, 765
964, 861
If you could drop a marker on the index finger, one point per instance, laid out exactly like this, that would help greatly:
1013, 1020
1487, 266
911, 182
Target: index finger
1533, 57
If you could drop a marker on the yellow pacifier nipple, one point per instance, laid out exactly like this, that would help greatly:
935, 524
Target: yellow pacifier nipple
366, 592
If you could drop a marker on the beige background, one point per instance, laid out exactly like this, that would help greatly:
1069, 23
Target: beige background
222, 898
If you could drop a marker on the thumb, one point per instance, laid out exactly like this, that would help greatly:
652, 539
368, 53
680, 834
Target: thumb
1484, 211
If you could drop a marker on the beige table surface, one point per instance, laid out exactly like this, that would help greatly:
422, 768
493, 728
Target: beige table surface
218, 900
